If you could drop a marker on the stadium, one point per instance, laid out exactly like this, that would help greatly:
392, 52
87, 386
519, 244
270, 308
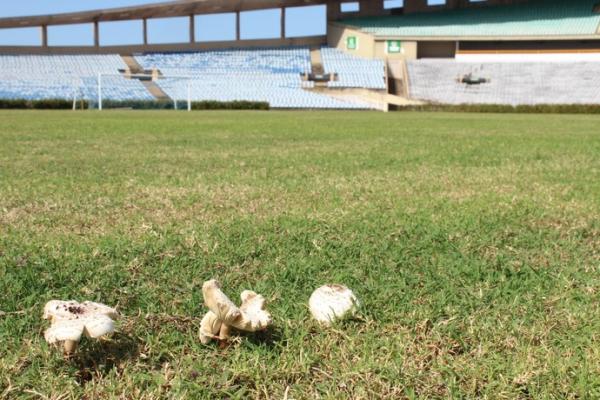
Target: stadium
374, 54
300, 199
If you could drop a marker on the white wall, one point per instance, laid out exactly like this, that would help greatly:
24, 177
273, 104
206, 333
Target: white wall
528, 57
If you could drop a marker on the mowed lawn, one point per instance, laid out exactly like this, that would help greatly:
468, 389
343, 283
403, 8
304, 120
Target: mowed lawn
472, 241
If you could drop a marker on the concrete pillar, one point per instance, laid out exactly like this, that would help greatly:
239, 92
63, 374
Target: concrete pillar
370, 8
96, 34
454, 4
44, 29
237, 26
283, 22
333, 11
415, 6
192, 29
145, 30
412, 6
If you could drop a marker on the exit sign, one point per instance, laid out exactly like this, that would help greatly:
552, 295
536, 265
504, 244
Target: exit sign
351, 43
394, 46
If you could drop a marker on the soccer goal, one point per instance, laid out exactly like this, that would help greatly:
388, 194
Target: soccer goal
139, 91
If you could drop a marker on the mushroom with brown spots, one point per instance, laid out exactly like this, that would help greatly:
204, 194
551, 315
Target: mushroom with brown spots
224, 315
70, 320
332, 302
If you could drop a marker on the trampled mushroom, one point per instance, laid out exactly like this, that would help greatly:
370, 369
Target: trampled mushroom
332, 302
251, 316
71, 320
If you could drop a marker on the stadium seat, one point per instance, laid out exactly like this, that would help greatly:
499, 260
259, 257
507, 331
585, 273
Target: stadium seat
525, 83
352, 71
34, 77
270, 74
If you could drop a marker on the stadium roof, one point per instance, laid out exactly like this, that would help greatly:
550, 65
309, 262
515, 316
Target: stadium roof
560, 18
159, 10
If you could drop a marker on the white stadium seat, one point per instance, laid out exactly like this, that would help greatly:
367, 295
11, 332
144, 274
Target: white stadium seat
34, 77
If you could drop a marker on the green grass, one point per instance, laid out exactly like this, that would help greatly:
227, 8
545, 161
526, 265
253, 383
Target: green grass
472, 240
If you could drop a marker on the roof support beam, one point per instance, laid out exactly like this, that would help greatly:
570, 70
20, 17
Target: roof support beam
166, 47
145, 27
238, 35
192, 28
180, 8
369, 8
282, 22
333, 11
96, 34
44, 31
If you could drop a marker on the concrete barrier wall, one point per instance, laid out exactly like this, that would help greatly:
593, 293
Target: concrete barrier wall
175, 47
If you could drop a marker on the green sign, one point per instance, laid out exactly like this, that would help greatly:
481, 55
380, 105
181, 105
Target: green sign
394, 46
351, 43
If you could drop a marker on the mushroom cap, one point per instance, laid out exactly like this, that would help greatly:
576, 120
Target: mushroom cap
70, 320
253, 305
66, 330
99, 308
58, 309
65, 310
98, 325
332, 302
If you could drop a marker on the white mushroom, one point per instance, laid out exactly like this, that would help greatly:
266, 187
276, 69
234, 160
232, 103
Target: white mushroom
70, 320
255, 318
332, 302
224, 314
209, 327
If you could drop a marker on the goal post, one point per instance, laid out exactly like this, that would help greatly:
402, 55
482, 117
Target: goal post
184, 89
100, 92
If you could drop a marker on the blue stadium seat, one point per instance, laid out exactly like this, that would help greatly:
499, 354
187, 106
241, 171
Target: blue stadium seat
34, 77
353, 72
512, 83
270, 74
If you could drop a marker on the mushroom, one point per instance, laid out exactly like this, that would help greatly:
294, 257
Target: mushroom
210, 327
70, 320
224, 315
331, 302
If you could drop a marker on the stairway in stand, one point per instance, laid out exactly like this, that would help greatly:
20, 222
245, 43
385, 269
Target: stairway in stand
149, 84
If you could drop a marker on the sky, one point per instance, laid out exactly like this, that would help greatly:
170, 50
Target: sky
301, 21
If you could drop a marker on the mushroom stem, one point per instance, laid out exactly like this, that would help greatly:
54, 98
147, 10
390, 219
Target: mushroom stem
225, 332
219, 303
209, 327
69, 347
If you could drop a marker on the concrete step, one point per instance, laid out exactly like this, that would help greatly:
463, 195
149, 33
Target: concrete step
316, 61
151, 86
132, 64
378, 98
156, 91
397, 78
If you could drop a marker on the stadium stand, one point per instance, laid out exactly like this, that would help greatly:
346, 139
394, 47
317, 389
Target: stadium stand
34, 77
271, 75
453, 52
536, 18
521, 83
353, 72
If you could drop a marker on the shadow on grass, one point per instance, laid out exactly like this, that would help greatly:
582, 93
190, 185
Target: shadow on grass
102, 357
271, 338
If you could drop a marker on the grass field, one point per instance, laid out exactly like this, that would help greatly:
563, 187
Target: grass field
472, 240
